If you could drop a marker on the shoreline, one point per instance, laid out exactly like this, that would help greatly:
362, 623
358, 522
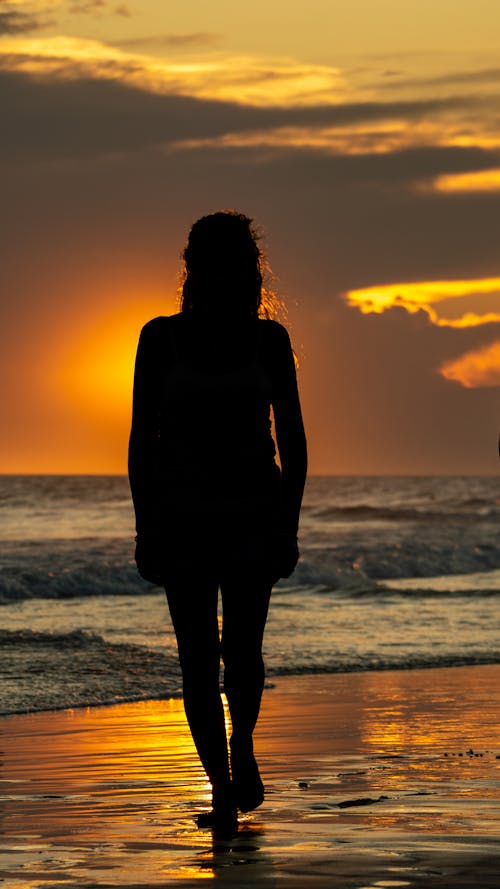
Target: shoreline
272, 682
383, 777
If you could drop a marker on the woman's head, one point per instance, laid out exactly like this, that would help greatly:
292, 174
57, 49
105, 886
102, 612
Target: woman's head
223, 267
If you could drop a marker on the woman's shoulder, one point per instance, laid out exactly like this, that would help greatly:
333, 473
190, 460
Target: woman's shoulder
157, 326
274, 333
273, 327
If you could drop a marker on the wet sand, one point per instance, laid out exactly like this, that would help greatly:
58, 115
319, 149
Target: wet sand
379, 779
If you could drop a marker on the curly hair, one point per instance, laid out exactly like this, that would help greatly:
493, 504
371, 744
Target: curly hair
224, 268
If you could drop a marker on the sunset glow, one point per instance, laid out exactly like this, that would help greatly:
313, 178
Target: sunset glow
363, 140
93, 371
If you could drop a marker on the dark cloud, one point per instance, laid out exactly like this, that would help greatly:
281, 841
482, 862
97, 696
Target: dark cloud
50, 117
85, 117
16, 22
171, 41
392, 169
93, 7
453, 78
87, 6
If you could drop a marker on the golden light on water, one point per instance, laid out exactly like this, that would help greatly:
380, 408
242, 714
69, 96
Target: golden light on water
400, 718
126, 782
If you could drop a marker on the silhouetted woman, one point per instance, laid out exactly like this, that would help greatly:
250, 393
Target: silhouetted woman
213, 509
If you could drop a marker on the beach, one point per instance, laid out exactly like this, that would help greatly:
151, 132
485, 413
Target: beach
379, 732
373, 779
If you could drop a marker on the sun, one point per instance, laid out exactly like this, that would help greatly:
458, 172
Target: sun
92, 373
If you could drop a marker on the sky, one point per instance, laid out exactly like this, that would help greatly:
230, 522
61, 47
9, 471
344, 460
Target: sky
362, 137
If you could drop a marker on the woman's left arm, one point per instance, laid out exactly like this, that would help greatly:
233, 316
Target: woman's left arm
290, 435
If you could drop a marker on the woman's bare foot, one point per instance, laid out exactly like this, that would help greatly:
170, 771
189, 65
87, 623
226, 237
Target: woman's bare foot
248, 788
223, 816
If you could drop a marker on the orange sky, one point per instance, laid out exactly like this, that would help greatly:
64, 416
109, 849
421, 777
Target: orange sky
362, 137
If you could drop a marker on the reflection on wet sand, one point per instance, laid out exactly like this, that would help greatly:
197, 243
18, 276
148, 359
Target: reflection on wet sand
370, 777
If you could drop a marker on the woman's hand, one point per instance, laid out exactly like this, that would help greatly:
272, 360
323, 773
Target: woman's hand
149, 556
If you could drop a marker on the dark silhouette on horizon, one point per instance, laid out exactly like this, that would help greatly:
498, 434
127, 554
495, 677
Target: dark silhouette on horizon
213, 508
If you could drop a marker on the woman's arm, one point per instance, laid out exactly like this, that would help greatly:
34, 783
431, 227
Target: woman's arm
143, 443
290, 435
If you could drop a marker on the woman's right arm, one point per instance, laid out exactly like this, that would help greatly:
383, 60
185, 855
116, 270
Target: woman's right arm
143, 443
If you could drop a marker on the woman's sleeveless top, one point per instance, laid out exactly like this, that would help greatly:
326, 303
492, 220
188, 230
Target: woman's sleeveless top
216, 450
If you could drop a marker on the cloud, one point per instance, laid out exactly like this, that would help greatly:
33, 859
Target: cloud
242, 79
32, 5
90, 117
475, 369
312, 106
479, 180
104, 107
99, 7
399, 143
171, 41
25, 16
452, 78
245, 79
88, 6
15, 21
269, 105
425, 295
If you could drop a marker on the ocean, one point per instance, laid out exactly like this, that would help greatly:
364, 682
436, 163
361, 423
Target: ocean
395, 572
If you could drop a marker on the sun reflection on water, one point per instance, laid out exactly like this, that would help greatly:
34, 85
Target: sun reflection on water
360, 755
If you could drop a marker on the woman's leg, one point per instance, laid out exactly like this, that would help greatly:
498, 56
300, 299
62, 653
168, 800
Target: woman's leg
192, 601
245, 602
245, 606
